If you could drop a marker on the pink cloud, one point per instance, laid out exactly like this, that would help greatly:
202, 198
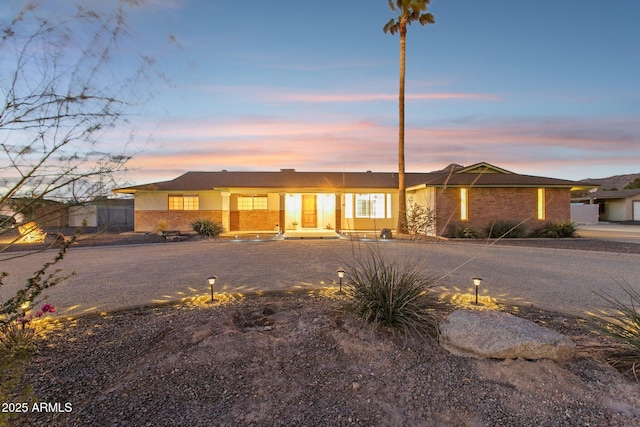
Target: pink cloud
536, 147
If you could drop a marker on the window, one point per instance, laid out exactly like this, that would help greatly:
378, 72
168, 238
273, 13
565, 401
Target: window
184, 202
253, 203
348, 205
464, 204
541, 204
370, 205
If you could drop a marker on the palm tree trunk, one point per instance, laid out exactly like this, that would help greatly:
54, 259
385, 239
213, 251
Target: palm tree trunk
402, 200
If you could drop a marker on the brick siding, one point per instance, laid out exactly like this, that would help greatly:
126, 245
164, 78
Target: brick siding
148, 221
487, 205
254, 220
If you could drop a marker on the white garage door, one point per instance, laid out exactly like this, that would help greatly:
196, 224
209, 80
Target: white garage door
636, 211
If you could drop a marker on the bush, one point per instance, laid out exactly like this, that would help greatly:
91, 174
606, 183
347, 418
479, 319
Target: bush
461, 232
622, 321
388, 293
557, 229
207, 228
506, 229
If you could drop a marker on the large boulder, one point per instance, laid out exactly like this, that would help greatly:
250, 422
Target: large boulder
497, 335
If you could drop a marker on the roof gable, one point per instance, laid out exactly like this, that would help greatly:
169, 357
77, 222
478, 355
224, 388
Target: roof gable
483, 168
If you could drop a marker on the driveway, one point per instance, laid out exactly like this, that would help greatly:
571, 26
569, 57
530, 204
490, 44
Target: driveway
615, 232
123, 276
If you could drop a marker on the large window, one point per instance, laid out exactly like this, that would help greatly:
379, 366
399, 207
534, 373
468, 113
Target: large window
541, 204
252, 202
184, 202
464, 204
367, 205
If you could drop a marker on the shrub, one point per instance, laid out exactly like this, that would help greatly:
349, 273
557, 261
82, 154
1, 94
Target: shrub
622, 321
506, 229
420, 220
207, 228
461, 232
162, 226
385, 292
557, 229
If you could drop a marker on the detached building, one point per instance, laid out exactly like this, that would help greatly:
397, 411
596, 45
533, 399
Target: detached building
473, 196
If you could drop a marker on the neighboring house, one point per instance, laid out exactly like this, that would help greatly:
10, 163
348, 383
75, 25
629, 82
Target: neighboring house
103, 213
473, 196
616, 205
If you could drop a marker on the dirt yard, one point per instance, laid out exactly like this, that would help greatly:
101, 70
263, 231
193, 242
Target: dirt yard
301, 360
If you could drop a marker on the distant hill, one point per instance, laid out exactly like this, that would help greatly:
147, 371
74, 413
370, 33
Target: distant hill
617, 182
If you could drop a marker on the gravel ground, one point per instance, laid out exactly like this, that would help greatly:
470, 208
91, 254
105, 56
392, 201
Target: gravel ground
300, 360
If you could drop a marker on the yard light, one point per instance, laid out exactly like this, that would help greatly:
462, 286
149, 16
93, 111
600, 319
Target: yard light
340, 275
477, 281
212, 281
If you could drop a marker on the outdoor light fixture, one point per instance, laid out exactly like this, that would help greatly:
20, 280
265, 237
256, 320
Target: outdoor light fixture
476, 282
340, 275
212, 281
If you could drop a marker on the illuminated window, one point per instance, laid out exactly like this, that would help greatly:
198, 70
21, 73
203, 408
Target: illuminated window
541, 203
367, 205
370, 205
348, 205
253, 203
184, 202
464, 204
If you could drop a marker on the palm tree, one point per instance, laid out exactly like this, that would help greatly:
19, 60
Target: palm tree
409, 11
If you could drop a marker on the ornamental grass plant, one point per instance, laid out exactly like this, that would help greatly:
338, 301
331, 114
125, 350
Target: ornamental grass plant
207, 228
621, 320
390, 292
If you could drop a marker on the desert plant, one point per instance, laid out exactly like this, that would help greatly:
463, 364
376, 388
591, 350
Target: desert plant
557, 229
506, 229
420, 220
621, 320
161, 226
462, 232
390, 293
207, 227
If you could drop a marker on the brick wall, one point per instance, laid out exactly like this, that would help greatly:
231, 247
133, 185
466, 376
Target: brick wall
486, 205
254, 220
148, 221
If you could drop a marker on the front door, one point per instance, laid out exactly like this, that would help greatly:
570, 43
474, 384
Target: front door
309, 211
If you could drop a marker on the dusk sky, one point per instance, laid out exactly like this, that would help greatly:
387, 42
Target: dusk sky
548, 88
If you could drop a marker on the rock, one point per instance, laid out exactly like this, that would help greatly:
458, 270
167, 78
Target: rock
497, 335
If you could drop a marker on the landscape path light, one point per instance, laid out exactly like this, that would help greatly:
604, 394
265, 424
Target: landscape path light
211, 280
340, 275
476, 282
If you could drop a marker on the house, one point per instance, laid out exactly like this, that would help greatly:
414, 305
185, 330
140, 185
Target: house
616, 205
472, 196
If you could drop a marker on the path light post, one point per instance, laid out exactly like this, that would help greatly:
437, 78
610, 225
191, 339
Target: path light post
476, 282
340, 275
211, 280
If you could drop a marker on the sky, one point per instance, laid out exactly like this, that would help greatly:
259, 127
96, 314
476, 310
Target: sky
548, 88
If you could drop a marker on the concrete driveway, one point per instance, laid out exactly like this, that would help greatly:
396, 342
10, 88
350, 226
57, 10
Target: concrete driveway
117, 277
616, 232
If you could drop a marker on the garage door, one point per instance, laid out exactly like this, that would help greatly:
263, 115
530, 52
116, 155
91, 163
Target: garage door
636, 211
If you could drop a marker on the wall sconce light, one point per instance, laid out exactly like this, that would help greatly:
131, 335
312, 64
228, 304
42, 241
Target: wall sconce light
211, 280
476, 282
340, 275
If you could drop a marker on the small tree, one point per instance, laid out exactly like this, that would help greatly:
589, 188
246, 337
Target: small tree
60, 95
420, 220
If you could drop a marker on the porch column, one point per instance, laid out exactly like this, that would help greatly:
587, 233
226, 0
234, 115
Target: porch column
281, 216
338, 220
226, 213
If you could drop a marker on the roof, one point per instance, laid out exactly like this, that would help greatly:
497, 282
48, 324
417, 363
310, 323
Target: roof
480, 174
614, 194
